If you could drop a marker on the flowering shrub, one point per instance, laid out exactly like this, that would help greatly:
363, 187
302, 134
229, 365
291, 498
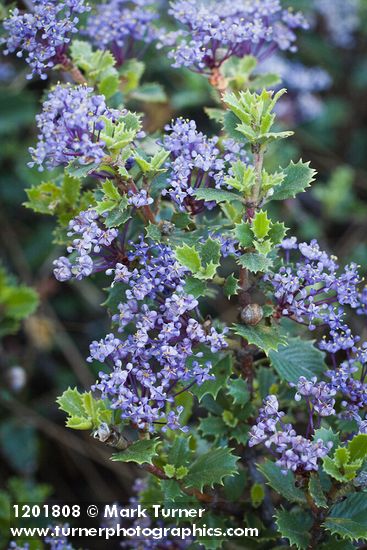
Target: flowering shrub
265, 412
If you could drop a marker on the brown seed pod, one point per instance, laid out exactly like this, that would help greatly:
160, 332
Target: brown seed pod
252, 314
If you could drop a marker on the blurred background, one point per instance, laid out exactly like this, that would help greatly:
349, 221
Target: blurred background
326, 106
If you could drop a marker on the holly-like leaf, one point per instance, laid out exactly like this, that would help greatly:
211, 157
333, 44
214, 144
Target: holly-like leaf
140, 452
295, 526
221, 371
151, 92
348, 518
265, 337
195, 287
83, 410
210, 252
238, 390
211, 468
297, 178
282, 484
244, 234
297, 358
357, 447
231, 286
255, 262
316, 492
261, 225
189, 257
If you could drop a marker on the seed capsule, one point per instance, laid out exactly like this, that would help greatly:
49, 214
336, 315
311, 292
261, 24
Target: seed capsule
252, 314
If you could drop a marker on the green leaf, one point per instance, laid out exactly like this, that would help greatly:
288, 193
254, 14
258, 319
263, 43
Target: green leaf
216, 195
277, 233
179, 452
295, 526
131, 71
140, 452
297, 358
244, 234
255, 262
210, 252
231, 286
221, 372
326, 435
18, 302
348, 518
261, 225
84, 411
195, 287
213, 426
264, 337
257, 495
238, 390
71, 402
282, 484
316, 492
189, 257
211, 468
297, 178
150, 92
357, 447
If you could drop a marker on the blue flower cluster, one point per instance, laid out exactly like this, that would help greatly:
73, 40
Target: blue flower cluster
296, 453
120, 24
158, 354
341, 18
196, 161
70, 126
215, 30
91, 251
42, 36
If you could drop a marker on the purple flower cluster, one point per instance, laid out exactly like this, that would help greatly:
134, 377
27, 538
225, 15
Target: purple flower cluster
319, 396
70, 126
90, 251
120, 24
196, 161
296, 453
349, 381
214, 30
342, 19
158, 354
42, 36
315, 292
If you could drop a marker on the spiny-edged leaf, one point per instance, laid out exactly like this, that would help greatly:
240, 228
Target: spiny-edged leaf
265, 378
263, 247
238, 390
297, 358
70, 189
179, 452
348, 518
171, 490
330, 467
230, 126
18, 302
195, 287
282, 484
77, 170
216, 195
277, 233
140, 452
357, 447
71, 402
215, 114
231, 286
151, 92
244, 234
255, 262
234, 487
316, 492
265, 337
210, 252
79, 423
261, 225
295, 526
189, 257
211, 468
221, 372
337, 544
297, 178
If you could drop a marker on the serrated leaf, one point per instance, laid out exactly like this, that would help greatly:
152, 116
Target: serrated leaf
213, 426
295, 526
151, 92
238, 390
244, 234
264, 337
332, 469
348, 518
221, 372
18, 302
195, 287
255, 262
327, 435
179, 452
71, 402
282, 484
298, 177
261, 225
297, 358
189, 257
216, 195
210, 252
316, 492
211, 468
277, 233
231, 286
140, 452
